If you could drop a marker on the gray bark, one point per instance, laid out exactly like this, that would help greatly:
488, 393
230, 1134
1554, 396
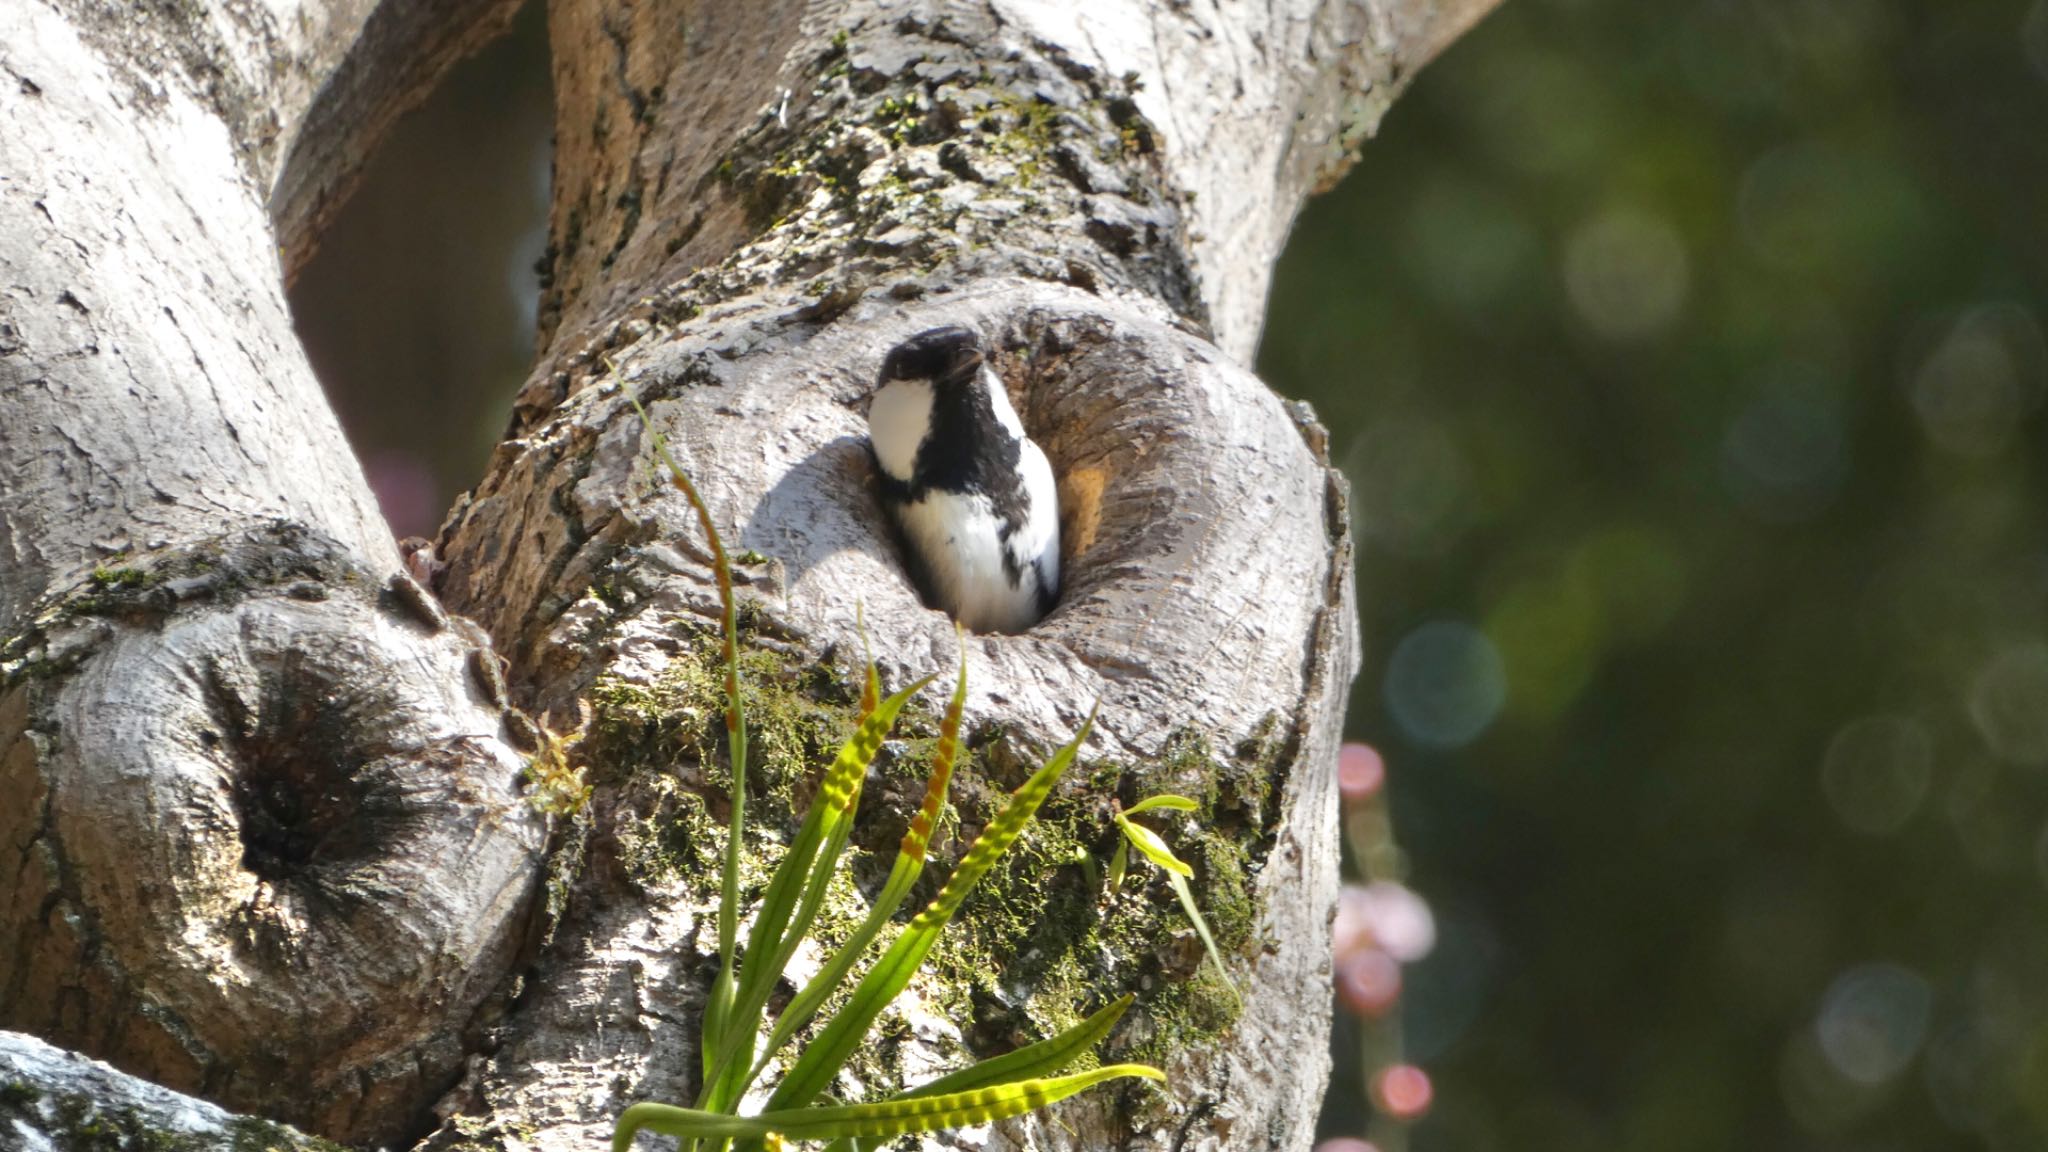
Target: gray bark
51, 1099
234, 754
262, 835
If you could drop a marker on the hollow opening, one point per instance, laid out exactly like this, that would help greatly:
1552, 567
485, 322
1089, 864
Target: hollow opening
305, 784
1087, 433
290, 803
969, 526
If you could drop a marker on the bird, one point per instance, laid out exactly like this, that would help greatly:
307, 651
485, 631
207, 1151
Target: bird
972, 496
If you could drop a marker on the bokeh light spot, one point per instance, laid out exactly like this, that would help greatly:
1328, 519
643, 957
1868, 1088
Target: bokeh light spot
1876, 772
1546, 114
2009, 704
1783, 457
1816, 1094
1637, 573
1626, 273
1818, 209
1369, 983
1985, 375
1872, 1021
1403, 1091
1994, 833
1549, 633
1466, 244
1351, 930
1724, 60
1386, 917
1411, 484
1445, 684
1402, 923
1956, 1071
1360, 772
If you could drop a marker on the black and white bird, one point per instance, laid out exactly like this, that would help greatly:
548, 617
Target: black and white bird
973, 496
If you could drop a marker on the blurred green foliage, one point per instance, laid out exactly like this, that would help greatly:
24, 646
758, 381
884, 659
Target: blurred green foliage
1686, 359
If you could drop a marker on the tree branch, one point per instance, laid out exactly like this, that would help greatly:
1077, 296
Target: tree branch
746, 221
235, 743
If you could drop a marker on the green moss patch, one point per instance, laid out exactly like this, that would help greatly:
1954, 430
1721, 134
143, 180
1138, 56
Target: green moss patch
1040, 944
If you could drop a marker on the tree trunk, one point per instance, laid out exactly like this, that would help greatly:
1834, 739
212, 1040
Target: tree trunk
263, 835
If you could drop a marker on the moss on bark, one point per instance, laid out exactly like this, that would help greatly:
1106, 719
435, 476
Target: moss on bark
1040, 944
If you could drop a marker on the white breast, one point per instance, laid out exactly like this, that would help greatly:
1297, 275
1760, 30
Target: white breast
956, 535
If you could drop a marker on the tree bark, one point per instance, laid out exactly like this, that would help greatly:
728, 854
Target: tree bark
237, 748
262, 832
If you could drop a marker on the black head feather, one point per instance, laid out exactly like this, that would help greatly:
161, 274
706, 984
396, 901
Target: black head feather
946, 355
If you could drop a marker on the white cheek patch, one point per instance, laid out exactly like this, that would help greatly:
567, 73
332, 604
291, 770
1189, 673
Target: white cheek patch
898, 418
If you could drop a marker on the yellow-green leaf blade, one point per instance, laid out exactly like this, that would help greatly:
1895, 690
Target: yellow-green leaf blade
1042, 1059
795, 893
718, 1014
1002, 831
1163, 800
806, 1003
836, 1043
902, 874
1152, 846
871, 688
831, 809
1187, 903
943, 758
883, 1119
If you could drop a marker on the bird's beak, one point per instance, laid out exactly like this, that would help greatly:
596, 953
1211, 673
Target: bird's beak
966, 362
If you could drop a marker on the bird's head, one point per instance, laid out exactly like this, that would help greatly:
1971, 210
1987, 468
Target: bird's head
926, 382
945, 356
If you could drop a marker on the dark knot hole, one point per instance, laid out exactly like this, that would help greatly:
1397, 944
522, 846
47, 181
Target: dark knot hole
303, 759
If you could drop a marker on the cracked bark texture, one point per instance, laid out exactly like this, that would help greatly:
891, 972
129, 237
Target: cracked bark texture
260, 834
262, 837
